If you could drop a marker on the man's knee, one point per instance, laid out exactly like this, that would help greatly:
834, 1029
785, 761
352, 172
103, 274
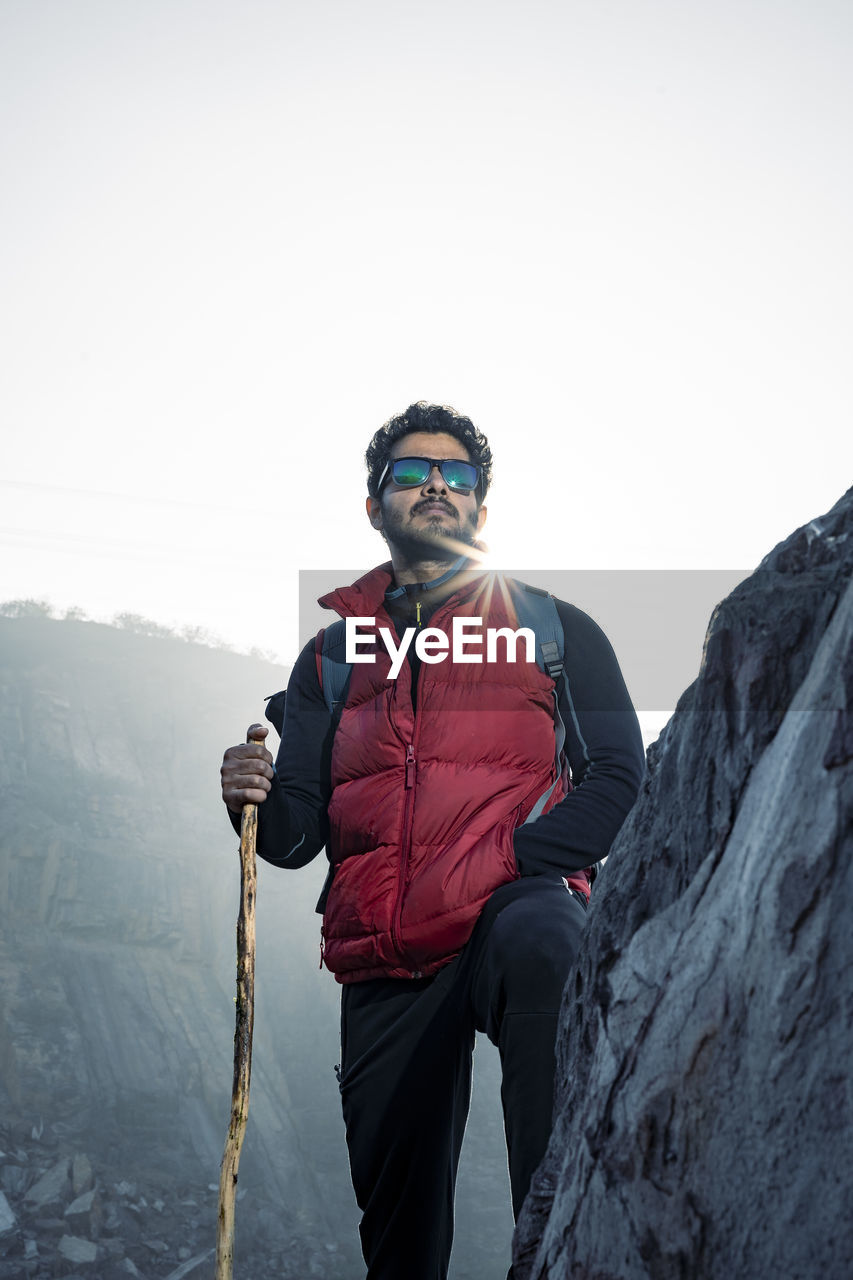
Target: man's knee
532, 947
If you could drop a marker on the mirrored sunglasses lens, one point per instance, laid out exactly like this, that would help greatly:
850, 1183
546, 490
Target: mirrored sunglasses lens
459, 475
410, 471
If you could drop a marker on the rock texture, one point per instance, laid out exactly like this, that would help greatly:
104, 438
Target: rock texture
703, 1121
119, 883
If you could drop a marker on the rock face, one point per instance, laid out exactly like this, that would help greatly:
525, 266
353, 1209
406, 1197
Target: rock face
703, 1119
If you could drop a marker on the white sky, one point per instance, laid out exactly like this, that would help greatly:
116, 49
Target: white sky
239, 236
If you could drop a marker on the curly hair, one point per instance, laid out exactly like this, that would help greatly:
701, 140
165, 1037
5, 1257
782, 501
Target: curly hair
434, 418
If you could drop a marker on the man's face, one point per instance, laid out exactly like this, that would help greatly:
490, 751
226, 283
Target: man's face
429, 518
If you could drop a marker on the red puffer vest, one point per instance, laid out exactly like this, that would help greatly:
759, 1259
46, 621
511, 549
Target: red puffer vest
425, 801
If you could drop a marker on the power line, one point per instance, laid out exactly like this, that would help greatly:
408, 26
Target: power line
39, 487
108, 547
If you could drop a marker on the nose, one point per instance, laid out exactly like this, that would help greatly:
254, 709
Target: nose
434, 482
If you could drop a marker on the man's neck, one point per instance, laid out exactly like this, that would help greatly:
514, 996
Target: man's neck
408, 573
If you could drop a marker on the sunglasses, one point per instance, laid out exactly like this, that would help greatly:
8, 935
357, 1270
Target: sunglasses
460, 477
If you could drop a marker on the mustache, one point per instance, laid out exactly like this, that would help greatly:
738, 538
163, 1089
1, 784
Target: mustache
433, 502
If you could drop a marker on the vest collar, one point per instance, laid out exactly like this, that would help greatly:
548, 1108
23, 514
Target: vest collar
366, 596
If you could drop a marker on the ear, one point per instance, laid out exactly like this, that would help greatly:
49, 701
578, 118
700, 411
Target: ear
374, 512
481, 518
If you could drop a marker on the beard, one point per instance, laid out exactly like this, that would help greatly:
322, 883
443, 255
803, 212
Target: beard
434, 538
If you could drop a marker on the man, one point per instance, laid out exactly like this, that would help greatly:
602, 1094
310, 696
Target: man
458, 846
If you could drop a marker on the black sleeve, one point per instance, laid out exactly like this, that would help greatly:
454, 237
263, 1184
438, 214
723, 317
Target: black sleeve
604, 748
293, 822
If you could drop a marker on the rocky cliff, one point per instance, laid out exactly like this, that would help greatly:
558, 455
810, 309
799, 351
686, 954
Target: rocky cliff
119, 883
703, 1119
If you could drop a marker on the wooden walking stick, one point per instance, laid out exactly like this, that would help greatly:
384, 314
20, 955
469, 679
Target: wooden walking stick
242, 1043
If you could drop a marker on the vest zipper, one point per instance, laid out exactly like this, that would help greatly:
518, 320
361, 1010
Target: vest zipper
411, 765
408, 819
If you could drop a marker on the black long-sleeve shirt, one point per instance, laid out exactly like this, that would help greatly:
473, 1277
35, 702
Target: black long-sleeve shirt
603, 747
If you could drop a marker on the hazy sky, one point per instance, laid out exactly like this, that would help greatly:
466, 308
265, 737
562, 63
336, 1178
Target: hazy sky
238, 237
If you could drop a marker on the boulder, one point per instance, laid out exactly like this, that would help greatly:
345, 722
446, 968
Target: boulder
83, 1215
78, 1251
7, 1217
13, 1178
190, 1264
52, 1187
702, 1114
82, 1178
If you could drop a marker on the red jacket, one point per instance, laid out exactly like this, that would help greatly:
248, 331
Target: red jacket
425, 801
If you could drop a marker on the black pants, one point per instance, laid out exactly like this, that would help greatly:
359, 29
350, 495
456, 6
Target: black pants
406, 1050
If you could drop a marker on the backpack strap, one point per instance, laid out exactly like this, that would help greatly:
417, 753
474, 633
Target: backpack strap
537, 610
333, 674
274, 711
332, 668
